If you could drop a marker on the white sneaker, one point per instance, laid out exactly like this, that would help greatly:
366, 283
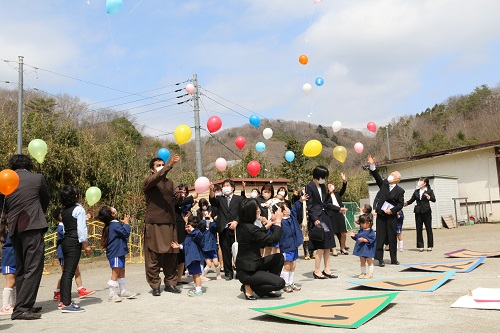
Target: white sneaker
127, 294
114, 298
6, 310
362, 276
400, 249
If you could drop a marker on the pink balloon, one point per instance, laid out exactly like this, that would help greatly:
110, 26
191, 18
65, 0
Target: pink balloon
201, 184
371, 127
190, 88
221, 164
317, 1
358, 147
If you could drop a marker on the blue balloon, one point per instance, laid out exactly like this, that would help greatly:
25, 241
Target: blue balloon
319, 81
289, 156
113, 6
164, 154
255, 120
260, 146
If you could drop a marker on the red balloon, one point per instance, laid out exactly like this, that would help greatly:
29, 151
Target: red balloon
214, 124
9, 181
253, 168
240, 142
371, 127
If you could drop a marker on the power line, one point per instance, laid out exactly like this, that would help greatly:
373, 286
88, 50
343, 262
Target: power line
234, 103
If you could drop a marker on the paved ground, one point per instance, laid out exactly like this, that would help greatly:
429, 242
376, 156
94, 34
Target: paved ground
223, 309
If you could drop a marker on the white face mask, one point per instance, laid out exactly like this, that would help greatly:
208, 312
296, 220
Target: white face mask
226, 190
254, 195
419, 184
159, 168
390, 179
204, 207
266, 195
321, 181
218, 194
332, 187
281, 193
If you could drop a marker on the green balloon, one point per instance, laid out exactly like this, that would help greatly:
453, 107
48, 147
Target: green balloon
92, 195
38, 149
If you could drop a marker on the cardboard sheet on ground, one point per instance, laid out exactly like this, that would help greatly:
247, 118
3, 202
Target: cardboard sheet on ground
464, 253
346, 312
426, 282
461, 266
480, 298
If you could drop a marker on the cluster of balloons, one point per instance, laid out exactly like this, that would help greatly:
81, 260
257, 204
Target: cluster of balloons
307, 87
9, 181
93, 195
38, 149
113, 6
182, 134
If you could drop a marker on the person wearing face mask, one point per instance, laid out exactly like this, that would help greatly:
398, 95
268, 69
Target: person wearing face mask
159, 227
227, 205
318, 203
283, 193
266, 201
422, 197
337, 214
390, 202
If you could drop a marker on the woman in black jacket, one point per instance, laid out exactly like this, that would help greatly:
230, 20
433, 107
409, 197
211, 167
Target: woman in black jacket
256, 273
423, 213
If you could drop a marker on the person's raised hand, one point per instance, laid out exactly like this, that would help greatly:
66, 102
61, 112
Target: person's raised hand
176, 158
371, 160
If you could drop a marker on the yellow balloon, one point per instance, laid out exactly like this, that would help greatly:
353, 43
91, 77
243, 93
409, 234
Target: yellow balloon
182, 134
340, 154
312, 148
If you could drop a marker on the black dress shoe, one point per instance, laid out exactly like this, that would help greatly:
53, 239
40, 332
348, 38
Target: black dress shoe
395, 262
330, 276
228, 276
322, 277
172, 289
250, 298
36, 309
272, 295
156, 291
381, 263
28, 315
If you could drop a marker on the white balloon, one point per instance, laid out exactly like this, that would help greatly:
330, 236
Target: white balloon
307, 88
267, 133
336, 126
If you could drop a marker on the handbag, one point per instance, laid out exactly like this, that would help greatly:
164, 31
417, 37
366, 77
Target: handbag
234, 249
317, 234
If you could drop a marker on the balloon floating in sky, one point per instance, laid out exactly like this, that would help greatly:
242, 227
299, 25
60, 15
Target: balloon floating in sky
164, 154
182, 134
254, 120
214, 124
38, 149
201, 184
113, 6
240, 142
371, 127
93, 194
260, 147
253, 168
289, 156
221, 164
358, 147
190, 88
340, 153
303, 59
319, 81
317, 1
336, 126
307, 88
312, 148
9, 181
267, 133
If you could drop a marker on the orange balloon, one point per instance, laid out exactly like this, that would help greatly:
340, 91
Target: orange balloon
303, 59
9, 181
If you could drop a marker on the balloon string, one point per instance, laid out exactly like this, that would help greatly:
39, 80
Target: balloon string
113, 43
135, 6
310, 23
3, 207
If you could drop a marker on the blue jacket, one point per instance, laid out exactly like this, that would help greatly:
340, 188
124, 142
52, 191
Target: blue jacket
366, 250
292, 236
60, 236
117, 239
192, 247
209, 242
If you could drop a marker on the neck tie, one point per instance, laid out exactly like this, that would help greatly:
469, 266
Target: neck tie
228, 201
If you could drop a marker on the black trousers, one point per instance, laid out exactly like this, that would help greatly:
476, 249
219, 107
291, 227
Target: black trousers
424, 219
386, 229
72, 250
266, 279
226, 240
29, 249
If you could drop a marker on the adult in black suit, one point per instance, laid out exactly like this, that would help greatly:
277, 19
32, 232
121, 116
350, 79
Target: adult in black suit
256, 273
26, 208
337, 214
423, 213
317, 205
227, 206
391, 201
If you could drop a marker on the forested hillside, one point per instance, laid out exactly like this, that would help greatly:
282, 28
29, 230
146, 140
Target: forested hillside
109, 152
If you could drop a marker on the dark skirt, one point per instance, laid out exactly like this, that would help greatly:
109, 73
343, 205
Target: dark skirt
329, 241
338, 222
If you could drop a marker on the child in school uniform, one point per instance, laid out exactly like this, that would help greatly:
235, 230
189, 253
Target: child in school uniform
82, 291
209, 246
365, 245
193, 253
114, 239
8, 270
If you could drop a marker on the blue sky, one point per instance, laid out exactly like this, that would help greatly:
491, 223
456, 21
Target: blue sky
380, 59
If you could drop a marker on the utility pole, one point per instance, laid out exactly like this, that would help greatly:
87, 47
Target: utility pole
20, 108
197, 127
388, 144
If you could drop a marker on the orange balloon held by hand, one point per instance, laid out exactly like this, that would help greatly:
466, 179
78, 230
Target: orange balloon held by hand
9, 181
303, 59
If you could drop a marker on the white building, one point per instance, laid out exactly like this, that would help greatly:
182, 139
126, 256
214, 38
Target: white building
470, 175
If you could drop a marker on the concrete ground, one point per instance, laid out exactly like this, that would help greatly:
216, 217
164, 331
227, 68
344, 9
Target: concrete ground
222, 308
